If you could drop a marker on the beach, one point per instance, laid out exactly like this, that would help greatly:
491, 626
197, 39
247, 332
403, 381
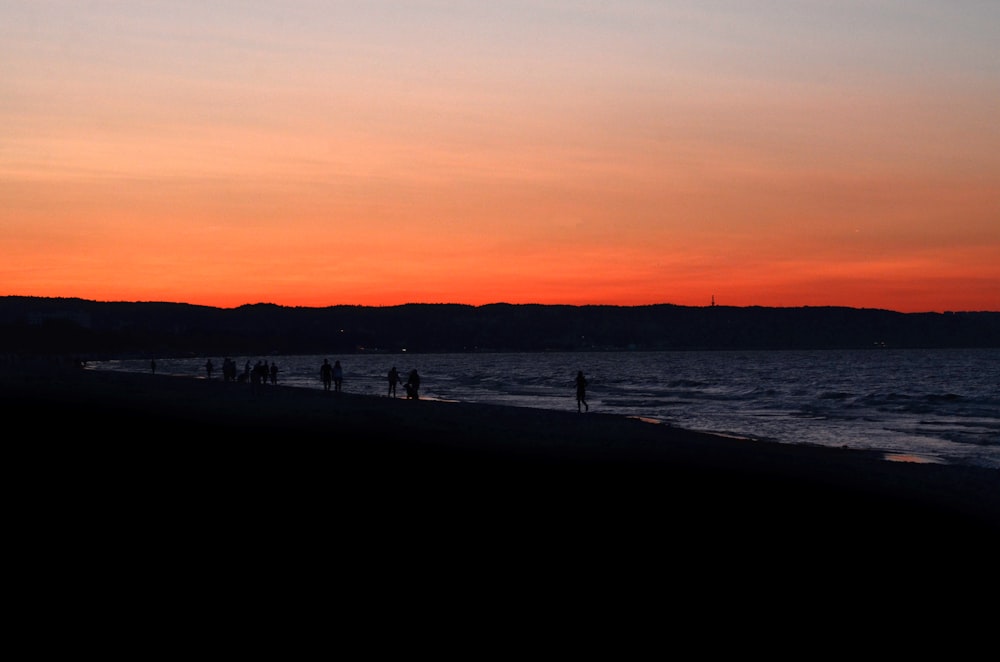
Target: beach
448, 461
211, 505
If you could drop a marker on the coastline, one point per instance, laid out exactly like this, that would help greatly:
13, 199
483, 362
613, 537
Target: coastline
449, 460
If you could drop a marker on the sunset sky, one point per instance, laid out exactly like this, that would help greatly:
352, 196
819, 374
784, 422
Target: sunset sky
311, 153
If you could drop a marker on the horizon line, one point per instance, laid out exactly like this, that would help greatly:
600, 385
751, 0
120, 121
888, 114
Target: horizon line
712, 304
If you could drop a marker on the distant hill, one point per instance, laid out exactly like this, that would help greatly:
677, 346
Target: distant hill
69, 326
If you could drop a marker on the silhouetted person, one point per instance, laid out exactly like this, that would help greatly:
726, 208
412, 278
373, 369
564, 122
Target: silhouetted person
326, 374
258, 377
581, 391
228, 370
338, 376
208, 368
413, 385
274, 373
393, 380
152, 365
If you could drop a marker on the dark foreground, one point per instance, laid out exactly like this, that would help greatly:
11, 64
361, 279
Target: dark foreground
179, 440
173, 482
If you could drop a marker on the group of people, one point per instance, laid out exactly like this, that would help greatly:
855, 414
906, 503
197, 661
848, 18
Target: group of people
332, 377
412, 384
335, 375
259, 374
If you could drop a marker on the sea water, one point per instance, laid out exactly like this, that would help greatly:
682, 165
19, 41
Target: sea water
915, 405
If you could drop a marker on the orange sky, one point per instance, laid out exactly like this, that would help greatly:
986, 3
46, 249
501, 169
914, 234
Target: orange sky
379, 153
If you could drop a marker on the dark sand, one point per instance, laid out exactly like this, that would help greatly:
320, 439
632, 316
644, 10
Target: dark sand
171, 514
226, 512
209, 439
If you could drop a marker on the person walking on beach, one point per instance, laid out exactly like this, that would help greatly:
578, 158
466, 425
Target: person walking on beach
338, 376
581, 391
413, 385
326, 374
274, 372
208, 368
152, 365
393, 380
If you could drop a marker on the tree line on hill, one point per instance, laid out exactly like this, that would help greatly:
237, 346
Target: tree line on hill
70, 326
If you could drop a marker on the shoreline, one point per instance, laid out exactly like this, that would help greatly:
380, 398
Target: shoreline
752, 396
451, 461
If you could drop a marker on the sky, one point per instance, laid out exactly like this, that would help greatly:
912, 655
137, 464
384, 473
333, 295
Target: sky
625, 152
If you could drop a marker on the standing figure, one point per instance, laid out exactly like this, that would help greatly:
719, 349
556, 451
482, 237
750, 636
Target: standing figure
208, 368
326, 374
393, 380
338, 376
152, 365
274, 372
413, 385
581, 391
258, 377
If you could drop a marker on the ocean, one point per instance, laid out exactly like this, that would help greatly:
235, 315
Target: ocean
940, 405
